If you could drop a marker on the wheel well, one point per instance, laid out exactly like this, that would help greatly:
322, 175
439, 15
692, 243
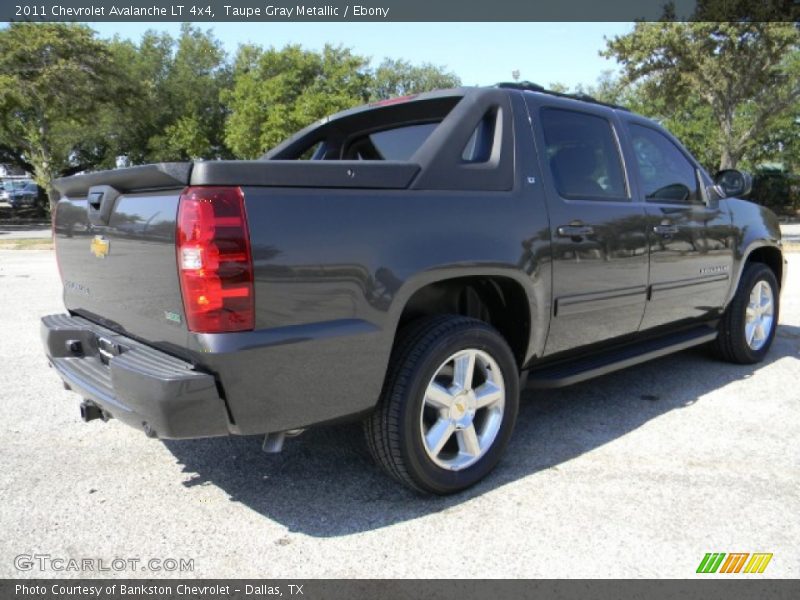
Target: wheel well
771, 257
499, 301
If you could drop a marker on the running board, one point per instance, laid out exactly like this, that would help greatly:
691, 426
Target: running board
567, 373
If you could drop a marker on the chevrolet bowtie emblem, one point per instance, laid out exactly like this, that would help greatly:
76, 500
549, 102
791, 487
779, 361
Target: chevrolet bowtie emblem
100, 246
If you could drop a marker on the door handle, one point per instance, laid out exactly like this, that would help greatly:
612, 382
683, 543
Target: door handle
665, 230
575, 231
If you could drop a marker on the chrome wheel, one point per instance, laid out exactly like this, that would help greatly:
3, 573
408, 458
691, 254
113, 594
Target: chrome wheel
759, 315
463, 409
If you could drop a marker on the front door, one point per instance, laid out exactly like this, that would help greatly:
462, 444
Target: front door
691, 241
598, 232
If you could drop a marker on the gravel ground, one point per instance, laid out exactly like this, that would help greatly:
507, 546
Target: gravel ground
636, 474
791, 233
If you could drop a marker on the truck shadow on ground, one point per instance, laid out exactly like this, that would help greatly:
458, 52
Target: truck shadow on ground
324, 483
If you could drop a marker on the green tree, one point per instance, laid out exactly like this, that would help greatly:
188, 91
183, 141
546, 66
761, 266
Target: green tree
176, 112
690, 120
781, 142
277, 92
608, 88
54, 80
146, 67
196, 75
401, 78
558, 87
743, 77
747, 10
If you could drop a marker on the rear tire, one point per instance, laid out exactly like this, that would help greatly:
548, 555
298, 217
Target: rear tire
448, 406
747, 327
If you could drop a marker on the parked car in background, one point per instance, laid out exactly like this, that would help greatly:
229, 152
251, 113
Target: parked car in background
7, 188
24, 195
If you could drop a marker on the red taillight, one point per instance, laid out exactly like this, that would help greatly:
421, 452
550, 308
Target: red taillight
214, 260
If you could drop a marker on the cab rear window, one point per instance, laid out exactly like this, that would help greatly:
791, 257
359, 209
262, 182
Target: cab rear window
397, 143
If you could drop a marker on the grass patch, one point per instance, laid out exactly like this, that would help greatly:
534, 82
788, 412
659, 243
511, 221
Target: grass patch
27, 244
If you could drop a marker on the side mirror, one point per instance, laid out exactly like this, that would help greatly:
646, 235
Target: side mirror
734, 183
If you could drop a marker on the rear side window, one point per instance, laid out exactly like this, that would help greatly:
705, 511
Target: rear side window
666, 174
481, 142
583, 155
398, 143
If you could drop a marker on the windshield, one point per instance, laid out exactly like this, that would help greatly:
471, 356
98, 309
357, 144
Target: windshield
10, 185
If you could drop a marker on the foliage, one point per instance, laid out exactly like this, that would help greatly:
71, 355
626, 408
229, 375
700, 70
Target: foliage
747, 10
175, 112
401, 78
776, 189
277, 92
55, 79
195, 77
608, 89
743, 77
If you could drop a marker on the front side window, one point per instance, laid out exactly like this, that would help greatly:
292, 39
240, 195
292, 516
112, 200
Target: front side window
583, 155
665, 173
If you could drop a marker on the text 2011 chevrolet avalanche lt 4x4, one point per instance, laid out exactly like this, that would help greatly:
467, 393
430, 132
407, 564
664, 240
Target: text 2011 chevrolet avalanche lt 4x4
411, 263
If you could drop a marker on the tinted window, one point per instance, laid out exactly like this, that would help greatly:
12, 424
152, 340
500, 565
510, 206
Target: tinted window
313, 152
479, 145
400, 143
665, 173
583, 155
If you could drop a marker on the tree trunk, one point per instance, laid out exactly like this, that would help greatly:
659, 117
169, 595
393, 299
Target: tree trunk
727, 160
44, 178
52, 197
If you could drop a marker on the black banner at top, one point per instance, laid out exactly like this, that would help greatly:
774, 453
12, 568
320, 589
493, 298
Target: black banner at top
397, 10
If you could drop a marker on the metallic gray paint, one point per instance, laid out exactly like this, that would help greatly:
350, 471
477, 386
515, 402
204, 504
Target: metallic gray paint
755, 227
335, 267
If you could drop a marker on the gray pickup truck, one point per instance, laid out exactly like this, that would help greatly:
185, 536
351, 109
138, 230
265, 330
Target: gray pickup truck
412, 263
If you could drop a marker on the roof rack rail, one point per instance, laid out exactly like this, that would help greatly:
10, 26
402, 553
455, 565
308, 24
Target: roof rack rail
528, 86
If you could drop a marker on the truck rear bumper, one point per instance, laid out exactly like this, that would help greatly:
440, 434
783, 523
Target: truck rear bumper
141, 386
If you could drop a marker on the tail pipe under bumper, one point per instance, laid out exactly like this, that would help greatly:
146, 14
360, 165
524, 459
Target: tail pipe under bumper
137, 384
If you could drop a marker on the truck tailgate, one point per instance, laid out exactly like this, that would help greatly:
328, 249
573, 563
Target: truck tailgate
118, 262
115, 233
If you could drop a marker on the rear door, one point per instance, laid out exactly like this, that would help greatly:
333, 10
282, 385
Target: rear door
691, 241
598, 231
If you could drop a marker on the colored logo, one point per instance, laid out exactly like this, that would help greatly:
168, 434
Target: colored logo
734, 562
100, 246
172, 316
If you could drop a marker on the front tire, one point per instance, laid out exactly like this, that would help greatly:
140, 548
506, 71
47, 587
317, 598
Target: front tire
747, 327
448, 406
